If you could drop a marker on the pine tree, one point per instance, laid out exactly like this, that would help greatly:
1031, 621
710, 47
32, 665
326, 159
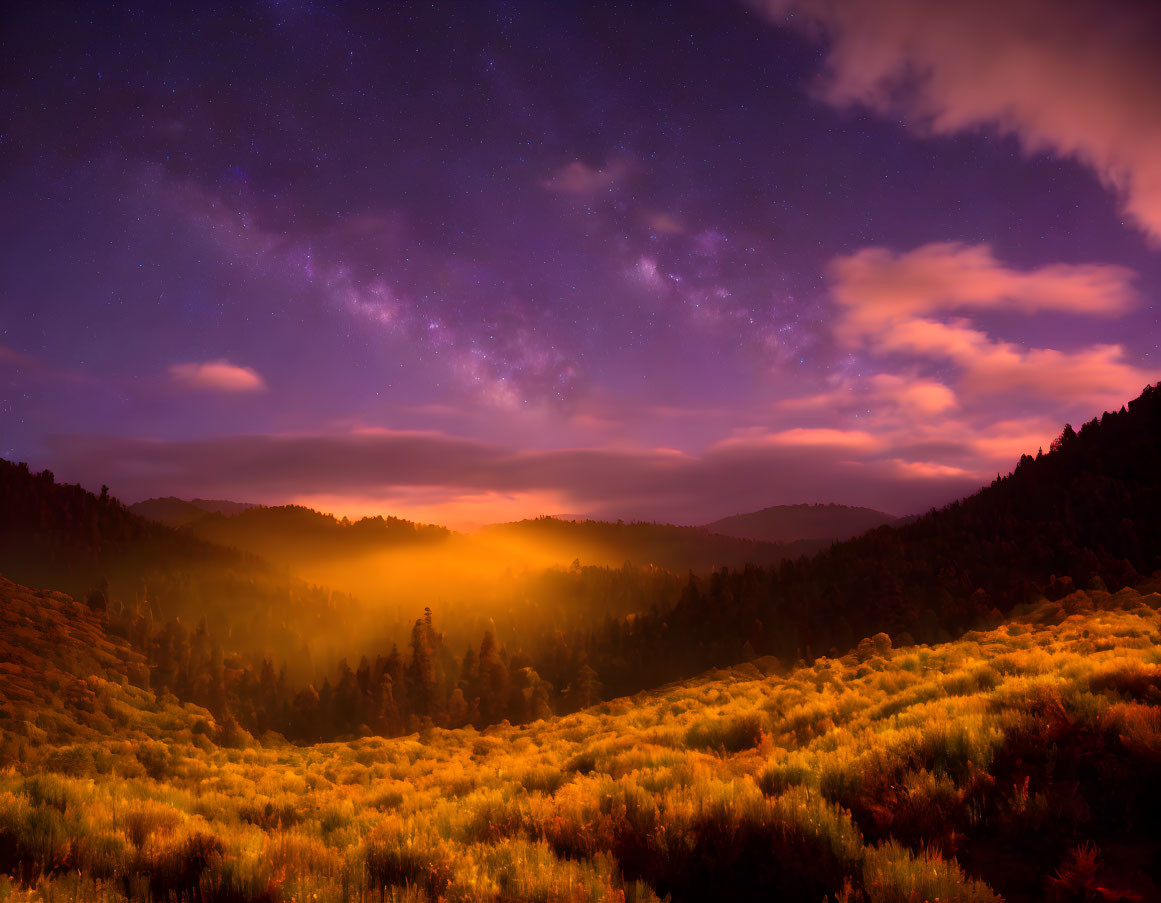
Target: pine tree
493, 681
586, 687
420, 670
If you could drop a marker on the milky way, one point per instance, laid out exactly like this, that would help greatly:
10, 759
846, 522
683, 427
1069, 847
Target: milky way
467, 262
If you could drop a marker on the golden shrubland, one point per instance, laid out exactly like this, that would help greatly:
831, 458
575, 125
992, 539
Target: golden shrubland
886, 775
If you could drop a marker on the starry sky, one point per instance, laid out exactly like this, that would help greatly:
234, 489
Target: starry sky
468, 262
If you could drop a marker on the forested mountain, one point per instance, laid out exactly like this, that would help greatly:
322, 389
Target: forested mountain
1088, 510
296, 537
679, 549
788, 523
288, 534
175, 512
61, 537
225, 629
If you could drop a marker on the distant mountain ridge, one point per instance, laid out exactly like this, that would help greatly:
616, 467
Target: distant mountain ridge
285, 534
175, 512
792, 523
675, 548
808, 526
1085, 514
290, 535
62, 537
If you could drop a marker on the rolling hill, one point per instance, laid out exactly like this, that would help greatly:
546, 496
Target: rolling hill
675, 548
790, 523
291, 534
175, 512
60, 537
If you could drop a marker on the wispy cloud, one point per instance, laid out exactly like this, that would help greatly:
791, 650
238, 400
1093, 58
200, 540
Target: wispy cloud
879, 289
1078, 79
911, 305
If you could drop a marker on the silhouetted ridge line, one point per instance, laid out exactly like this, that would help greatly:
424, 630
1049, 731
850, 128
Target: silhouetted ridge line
789, 523
1089, 508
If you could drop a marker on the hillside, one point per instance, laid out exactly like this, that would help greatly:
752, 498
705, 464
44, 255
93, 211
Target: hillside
1086, 513
175, 512
291, 534
1020, 761
678, 549
302, 539
788, 523
68, 681
61, 537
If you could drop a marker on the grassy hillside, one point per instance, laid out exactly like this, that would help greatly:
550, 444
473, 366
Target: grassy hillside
1021, 761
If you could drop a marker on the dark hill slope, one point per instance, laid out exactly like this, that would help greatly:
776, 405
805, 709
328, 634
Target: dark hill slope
788, 523
295, 537
65, 538
1089, 508
678, 549
288, 534
175, 512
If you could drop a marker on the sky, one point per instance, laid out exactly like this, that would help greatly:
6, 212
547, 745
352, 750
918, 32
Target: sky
471, 262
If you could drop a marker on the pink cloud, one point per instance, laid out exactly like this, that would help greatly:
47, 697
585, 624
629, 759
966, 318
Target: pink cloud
886, 393
217, 376
851, 440
1074, 78
924, 396
1097, 376
903, 304
877, 287
926, 470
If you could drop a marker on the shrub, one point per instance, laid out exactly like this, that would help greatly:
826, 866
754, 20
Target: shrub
781, 776
731, 735
142, 819
1075, 880
892, 874
178, 869
395, 859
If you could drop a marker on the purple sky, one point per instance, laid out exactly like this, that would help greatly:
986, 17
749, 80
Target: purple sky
469, 262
